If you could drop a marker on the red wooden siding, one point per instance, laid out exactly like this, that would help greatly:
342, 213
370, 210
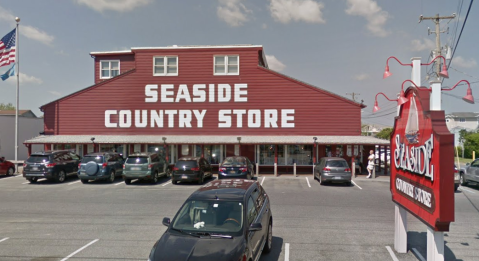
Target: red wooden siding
317, 112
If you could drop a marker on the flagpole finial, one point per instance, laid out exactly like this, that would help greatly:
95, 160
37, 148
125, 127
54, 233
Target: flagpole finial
17, 19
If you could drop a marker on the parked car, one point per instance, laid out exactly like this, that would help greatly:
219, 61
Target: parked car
470, 173
6, 167
222, 220
237, 167
191, 169
52, 165
457, 178
332, 169
100, 166
145, 166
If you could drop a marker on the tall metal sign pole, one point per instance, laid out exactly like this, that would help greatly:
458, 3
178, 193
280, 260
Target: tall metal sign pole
17, 69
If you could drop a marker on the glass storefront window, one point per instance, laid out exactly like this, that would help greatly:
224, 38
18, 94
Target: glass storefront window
111, 148
157, 148
197, 150
213, 154
266, 154
300, 154
339, 151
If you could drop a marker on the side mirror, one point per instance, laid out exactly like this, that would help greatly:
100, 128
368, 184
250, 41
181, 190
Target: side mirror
166, 221
255, 227
468, 164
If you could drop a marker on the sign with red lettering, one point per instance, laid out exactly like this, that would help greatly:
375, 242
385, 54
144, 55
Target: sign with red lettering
422, 165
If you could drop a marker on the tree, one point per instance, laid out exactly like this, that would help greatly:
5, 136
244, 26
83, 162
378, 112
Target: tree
7, 107
471, 143
385, 133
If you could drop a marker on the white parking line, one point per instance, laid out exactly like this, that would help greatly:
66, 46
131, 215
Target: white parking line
11, 177
166, 184
73, 182
418, 254
286, 252
119, 183
262, 181
468, 190
74, 253
1, 240
392, 253
28, 182
309, 185
356, 184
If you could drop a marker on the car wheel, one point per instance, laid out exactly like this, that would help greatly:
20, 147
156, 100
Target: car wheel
168, 172
61, 176
127, 181
111, 179
33, 180
456, 186
10, 172
463, 180
269, 240
154, 179
348, 183
84, 181
174, 182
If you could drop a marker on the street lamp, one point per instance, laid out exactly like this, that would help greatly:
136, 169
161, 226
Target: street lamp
164, 140
376, 106
93, 141
468, 98
443, 73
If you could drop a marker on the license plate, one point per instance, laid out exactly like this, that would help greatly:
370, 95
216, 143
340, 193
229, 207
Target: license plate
135, 168
184, 177
232, 172
337, 178
34, 168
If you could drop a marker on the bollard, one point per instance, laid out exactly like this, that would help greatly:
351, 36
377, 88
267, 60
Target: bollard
353, 170
294, 169
374, 171
257, 169
275, 169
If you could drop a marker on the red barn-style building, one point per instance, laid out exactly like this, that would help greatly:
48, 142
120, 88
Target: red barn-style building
211, 101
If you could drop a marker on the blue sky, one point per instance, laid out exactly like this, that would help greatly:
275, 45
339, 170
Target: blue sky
341, 46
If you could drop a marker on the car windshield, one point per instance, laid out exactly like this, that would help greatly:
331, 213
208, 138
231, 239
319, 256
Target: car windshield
38, 159
230, 161
186, 163
212, 217
137, 160
337, 164
97, 159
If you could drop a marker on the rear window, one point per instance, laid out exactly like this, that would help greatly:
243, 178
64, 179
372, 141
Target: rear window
186, 163
97, 159
234, 161
38, 159
337, 164
137, 160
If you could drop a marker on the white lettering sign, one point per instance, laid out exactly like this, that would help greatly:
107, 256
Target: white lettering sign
415, 159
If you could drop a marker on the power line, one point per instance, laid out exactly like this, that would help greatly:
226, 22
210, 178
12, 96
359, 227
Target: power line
460, 34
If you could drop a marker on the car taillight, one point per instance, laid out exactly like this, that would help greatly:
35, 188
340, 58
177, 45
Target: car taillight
455, 171
51, 165
243, 169
150, 166
123, 166
24, 165
79, 165
326, 169
104, 165
347, 170
222, 169
175, 168
195, 169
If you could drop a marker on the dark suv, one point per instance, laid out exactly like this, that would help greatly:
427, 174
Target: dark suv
146, 166
100, 166
52, 165
222, 220
191, 169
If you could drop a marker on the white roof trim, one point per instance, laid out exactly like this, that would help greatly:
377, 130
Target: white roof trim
110, 52
204, 139
198, 47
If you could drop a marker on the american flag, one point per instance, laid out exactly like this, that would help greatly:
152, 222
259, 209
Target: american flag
7, 48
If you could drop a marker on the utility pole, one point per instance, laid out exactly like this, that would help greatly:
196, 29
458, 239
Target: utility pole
353, 95
437, 52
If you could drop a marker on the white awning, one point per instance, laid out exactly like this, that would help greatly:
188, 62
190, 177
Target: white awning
203, 139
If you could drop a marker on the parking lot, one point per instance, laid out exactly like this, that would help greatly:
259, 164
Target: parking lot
102, 221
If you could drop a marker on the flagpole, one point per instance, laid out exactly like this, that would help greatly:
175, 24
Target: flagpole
17, 62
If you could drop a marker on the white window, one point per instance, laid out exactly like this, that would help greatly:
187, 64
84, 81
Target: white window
462, 120
226, 65
109, 69
165, 66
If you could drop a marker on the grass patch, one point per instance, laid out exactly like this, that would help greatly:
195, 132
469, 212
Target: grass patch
463, 161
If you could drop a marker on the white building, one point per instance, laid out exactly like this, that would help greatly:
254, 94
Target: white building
458, 121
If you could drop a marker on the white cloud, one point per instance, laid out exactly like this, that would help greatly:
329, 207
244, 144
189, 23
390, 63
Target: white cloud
274, 63
54, 93
286, 11
370, 10
113, 5
26, 30
233, 12
24, 79
426, 44
361, 77
459, 61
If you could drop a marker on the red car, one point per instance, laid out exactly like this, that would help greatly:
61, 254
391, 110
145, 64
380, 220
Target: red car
6, 167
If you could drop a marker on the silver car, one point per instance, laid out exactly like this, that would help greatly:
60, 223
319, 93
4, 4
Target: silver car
332, 169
